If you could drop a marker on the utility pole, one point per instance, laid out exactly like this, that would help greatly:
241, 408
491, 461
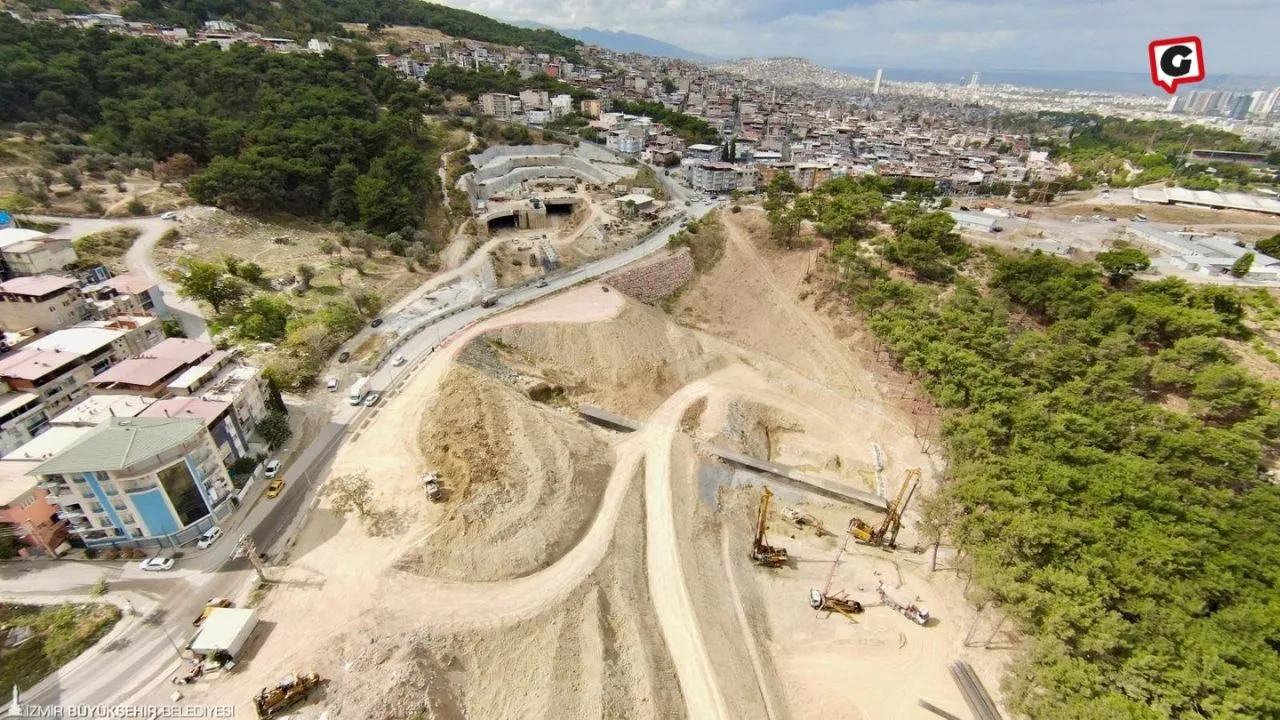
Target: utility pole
249, 547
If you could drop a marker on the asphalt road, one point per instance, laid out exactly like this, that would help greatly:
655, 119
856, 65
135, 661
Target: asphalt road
145, 653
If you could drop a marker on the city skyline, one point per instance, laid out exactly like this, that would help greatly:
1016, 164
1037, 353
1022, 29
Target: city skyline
928, 34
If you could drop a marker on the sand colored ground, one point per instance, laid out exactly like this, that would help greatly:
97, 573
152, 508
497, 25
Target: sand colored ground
578, 573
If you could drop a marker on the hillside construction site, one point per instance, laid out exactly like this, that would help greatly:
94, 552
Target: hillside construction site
703, 507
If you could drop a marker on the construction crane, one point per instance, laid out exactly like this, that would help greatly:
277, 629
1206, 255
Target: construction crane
825, 601
887, 534
761, 552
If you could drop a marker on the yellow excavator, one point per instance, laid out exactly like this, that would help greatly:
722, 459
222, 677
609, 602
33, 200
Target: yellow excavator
887, 534
761, 552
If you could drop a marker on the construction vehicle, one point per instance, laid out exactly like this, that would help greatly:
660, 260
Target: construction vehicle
291, 690
913, 611
802, 519
886, 534
761, 552
209, 607
834, 604
431, 481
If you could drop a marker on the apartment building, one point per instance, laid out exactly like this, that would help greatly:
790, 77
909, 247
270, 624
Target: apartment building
500, 105
139, 481
43, 302
713, 177
27, 515
127, 294
150, 371
30, 252
22, 417
58, 366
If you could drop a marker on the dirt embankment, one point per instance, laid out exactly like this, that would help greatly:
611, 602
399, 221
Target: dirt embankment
523, 480
629, 365
597, 654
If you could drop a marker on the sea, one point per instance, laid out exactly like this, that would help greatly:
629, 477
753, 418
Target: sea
1116, 82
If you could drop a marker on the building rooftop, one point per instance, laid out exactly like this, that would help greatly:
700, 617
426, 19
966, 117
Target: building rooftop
37, 285
34, 364
12, 236
97, 409
119, 443
702, 147
186, 407
127, 284
14, 400
140, 371
186, 351
78, 340
636, 198
47, 444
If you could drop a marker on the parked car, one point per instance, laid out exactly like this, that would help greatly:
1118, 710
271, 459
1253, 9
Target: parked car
372, 399
344, 356
398, 361
541, 283
275, 488
376, 322
169, 215
209, 537
157, 564
331, 384
273, 468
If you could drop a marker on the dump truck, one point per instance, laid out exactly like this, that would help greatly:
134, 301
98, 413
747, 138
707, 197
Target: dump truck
431, 481
291, 690
913, 611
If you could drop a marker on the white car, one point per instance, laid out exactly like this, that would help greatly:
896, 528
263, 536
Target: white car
209, 537
398, 361
157, 564
169, 216
332, 384
273, 467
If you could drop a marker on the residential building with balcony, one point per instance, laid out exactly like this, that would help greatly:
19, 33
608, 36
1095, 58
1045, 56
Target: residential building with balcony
139, 481
713, 177
43, 302
22, 417
127, 294
27, 515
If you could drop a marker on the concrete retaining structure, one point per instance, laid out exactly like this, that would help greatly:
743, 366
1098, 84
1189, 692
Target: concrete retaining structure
806, 482
657, 278
604, 418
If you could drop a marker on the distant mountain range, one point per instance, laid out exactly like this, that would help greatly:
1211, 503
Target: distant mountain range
620, 41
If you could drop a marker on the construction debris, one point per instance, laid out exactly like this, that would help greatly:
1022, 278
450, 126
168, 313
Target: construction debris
802, 519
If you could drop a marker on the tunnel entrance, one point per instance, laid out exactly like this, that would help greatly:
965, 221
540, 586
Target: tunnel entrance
560, 208
503, 222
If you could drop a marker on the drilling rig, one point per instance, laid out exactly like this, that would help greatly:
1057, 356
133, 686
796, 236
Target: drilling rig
761, 552
824, 601
887, 534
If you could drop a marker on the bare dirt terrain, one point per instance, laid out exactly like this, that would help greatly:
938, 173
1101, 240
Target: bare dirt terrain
576, 572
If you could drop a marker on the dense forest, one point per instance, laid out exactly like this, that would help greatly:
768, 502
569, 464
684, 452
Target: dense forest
312, 135
473, 83
1105, 453
301, 18
689, 128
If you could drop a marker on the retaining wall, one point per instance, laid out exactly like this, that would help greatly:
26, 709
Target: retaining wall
657, 278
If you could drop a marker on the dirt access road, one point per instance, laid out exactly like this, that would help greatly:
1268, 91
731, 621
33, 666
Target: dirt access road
138, 258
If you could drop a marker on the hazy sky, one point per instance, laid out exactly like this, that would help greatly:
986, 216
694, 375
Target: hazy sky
1239, 35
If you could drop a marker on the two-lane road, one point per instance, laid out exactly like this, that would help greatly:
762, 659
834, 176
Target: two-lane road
147, 656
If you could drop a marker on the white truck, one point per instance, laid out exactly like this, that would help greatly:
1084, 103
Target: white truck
359, 389
913, 611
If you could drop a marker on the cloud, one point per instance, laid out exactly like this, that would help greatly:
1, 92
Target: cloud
964, 34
